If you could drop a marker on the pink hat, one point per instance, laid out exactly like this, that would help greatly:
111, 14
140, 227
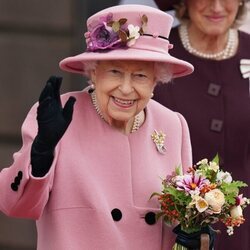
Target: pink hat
128, 32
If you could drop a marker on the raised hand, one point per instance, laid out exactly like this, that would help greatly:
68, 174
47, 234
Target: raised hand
53, 120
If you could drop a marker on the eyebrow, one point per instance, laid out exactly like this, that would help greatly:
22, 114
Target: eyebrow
119, 64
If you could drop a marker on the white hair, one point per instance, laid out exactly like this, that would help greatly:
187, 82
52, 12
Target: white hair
88, 67
163, 71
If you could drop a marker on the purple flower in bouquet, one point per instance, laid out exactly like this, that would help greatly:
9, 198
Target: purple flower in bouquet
240, 200
191, 182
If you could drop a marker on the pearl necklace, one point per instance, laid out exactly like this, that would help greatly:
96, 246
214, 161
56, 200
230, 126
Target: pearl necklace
226, 53
139, 118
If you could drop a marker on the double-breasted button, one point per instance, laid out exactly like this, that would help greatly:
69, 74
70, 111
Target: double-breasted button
116, 214
213, 89
216, 125
20, 175
17, 180
150, 218
14, 185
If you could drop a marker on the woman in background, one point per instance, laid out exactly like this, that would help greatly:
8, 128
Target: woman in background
215, 99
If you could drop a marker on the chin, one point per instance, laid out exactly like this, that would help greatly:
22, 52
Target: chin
215, 31
120, 117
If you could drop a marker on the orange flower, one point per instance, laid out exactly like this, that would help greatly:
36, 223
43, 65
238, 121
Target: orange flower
208, 188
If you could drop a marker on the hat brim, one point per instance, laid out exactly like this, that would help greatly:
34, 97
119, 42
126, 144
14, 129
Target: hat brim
75, 64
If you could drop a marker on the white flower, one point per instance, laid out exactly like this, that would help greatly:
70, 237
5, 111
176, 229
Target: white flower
193, 201
224, 176
246, 201
201, 204
230, 230
236, 212
215, 199
214, 166
194, 192
202, 162
133, 34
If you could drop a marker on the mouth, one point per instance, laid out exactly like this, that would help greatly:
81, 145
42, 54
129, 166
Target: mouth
123, 103
215, 19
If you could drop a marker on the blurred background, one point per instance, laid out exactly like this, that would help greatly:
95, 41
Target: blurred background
34, 36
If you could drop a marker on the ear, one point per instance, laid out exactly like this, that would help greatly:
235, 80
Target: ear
155, 83
93, 75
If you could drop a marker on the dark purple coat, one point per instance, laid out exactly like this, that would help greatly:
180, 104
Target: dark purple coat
215, 101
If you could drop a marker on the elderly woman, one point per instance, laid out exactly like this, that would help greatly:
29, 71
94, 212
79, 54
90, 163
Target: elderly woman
215, 99
90, 160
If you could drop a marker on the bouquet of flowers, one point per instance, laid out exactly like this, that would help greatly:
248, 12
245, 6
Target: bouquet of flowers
201, 197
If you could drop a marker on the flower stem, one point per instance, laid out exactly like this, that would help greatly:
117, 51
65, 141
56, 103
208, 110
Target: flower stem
179, 247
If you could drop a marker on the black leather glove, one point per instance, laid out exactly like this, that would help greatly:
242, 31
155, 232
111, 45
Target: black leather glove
53, 120
192, 241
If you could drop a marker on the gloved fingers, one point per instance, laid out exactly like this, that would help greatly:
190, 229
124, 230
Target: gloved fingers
56, 83
68, 109
52, 89
46, 92
44, 108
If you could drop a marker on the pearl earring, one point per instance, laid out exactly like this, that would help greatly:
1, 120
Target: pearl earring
91, 85
152, 95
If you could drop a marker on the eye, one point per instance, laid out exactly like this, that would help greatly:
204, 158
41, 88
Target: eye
115, 71
140, 76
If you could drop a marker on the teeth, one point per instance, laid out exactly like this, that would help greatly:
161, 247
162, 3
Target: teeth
124, 102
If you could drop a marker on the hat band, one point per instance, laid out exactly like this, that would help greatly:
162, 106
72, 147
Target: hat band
151, 43
155, 35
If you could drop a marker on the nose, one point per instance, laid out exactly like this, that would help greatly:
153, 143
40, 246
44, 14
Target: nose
217, 5
126, 85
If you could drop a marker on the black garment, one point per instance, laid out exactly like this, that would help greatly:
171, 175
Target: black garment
215, 101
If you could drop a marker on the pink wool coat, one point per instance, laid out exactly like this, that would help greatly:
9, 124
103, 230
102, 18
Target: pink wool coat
96, 194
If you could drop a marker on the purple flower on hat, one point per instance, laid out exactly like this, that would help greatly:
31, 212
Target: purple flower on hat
101, 36
109, 34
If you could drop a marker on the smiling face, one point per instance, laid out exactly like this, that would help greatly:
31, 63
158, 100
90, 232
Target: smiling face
123, 89
212, 17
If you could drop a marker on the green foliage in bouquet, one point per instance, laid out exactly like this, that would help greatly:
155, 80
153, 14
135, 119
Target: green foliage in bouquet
201, 197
